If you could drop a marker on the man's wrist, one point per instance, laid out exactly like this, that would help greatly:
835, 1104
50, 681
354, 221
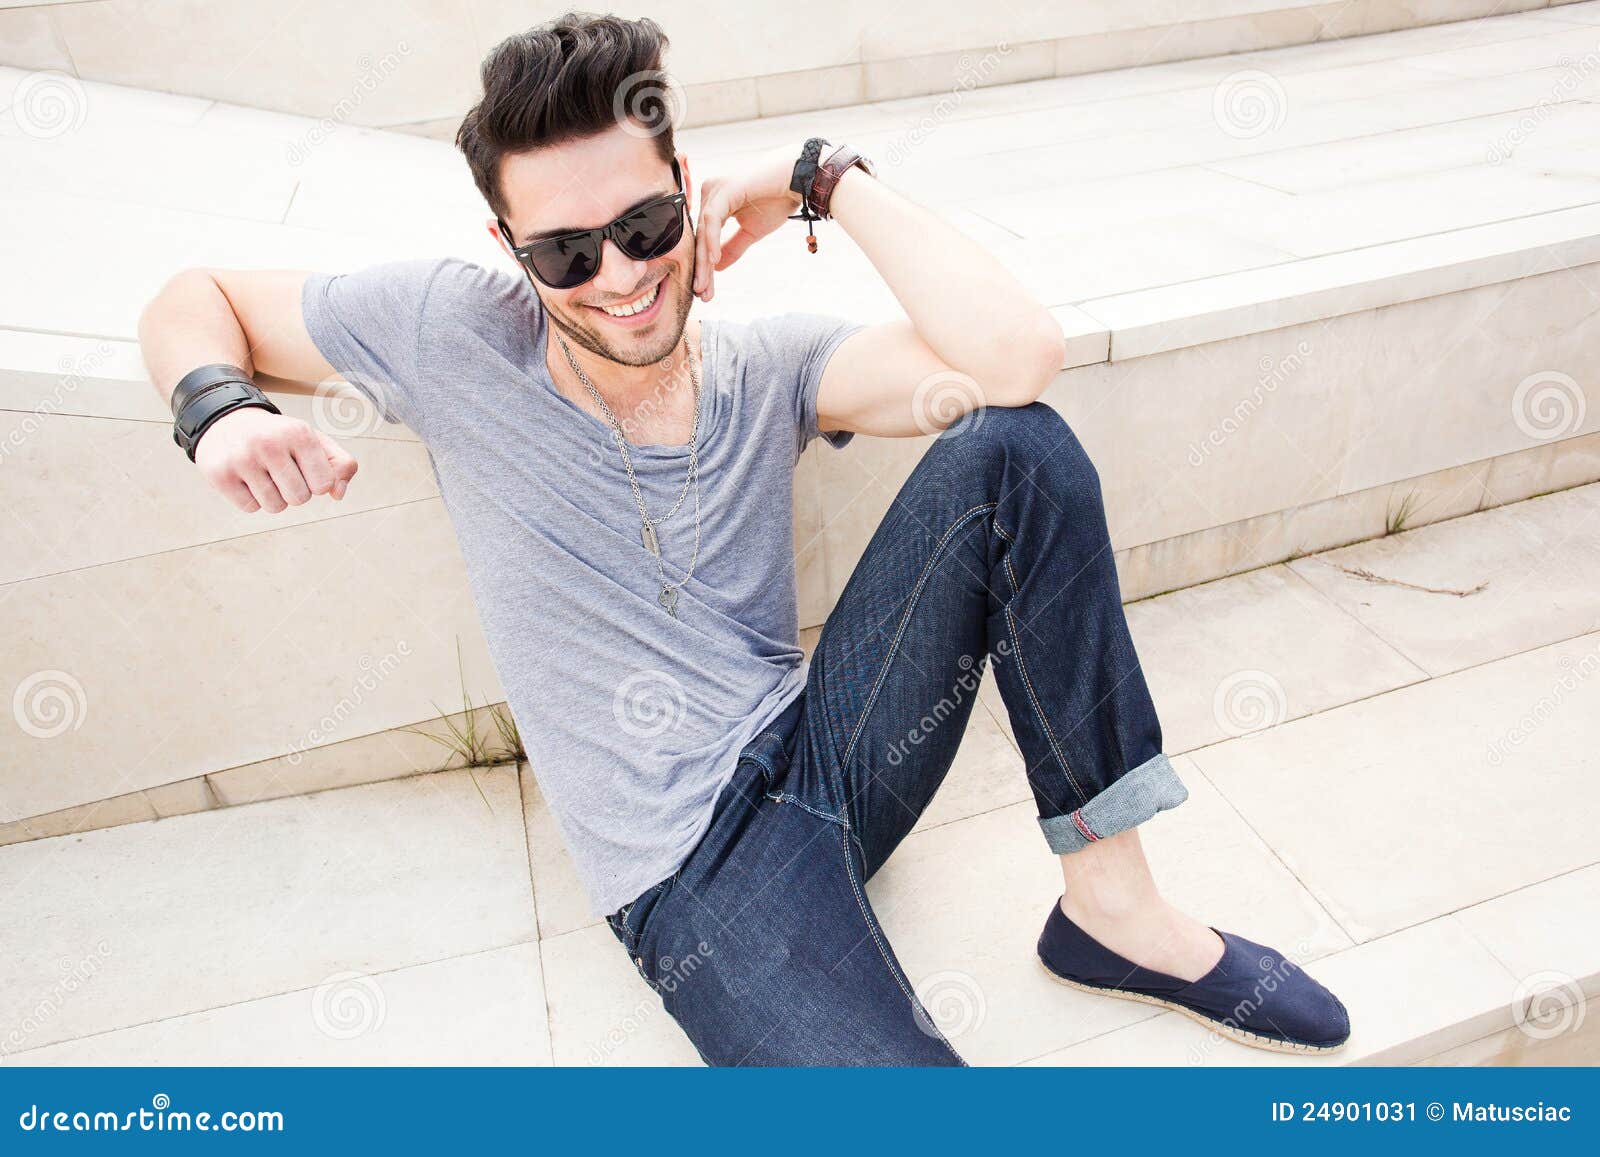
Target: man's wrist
831, 170
849, 183
208, 393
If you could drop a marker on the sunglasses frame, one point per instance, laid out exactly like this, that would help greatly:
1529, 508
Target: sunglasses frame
599, 234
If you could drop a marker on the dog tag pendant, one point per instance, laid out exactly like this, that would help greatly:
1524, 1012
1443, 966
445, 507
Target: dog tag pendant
668, 598
650, 542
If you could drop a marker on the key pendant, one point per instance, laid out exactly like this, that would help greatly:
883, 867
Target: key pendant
668, 598
651, 543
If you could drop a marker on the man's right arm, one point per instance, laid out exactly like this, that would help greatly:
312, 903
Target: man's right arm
252, 319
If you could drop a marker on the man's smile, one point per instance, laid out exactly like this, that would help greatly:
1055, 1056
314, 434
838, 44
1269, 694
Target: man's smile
637, 312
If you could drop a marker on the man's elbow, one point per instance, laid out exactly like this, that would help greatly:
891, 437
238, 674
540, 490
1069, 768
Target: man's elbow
180, 285
1031, 364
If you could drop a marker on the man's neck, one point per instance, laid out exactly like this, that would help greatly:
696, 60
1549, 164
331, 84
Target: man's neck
647, 399
612, 378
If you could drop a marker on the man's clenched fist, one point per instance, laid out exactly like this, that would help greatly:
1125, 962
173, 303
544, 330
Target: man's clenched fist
265, 461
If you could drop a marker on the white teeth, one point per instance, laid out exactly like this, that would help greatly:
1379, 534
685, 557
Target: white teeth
637, 306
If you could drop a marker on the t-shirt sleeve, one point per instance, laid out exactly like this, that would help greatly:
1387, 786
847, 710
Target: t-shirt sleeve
368, 324
807, 340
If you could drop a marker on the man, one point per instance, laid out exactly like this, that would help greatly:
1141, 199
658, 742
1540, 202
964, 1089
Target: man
620, 480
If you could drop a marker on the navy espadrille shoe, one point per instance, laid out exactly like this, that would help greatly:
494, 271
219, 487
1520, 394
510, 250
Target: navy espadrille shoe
1253, 995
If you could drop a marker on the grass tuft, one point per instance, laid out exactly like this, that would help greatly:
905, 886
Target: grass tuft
464, 741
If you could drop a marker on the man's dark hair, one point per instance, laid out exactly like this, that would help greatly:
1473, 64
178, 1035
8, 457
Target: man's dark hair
572, 77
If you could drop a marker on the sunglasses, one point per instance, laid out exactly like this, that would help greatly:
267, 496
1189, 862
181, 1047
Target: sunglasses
567, 260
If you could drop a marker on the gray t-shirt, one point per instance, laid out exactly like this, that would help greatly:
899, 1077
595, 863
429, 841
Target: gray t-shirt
632, 719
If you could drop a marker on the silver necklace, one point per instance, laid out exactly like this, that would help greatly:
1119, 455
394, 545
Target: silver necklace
668, 598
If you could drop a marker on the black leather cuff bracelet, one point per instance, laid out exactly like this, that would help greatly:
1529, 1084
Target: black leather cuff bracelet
805, 169
204, 395
805, 172
203, 378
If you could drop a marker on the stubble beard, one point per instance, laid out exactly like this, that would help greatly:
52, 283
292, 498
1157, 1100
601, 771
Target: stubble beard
675, 312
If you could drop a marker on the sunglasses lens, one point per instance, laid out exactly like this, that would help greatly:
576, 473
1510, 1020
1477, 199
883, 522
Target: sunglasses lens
562, 263
652, 231
567, 262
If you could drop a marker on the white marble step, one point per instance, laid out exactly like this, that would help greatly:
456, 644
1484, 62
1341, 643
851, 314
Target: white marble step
1091, 186
1425, 212
1362, 812
408, 1016
165, 928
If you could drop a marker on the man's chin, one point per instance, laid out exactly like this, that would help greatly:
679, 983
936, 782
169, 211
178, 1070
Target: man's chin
648, 345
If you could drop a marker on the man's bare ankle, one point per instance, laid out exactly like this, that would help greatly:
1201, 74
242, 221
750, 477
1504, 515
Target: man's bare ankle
1110, 902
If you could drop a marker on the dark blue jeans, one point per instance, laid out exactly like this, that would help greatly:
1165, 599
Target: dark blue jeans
762, 945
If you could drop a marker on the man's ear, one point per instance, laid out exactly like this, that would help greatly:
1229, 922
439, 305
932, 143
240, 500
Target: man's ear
493, 225
688, 182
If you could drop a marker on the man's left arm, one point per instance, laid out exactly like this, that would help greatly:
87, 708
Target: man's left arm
972, 335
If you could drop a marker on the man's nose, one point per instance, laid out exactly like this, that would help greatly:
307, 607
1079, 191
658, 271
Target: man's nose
619, 274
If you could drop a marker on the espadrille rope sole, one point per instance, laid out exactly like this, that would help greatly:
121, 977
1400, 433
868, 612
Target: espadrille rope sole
1242, 1035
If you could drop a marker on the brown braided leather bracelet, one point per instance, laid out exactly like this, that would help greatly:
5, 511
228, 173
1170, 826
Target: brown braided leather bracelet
829, 172
816, 181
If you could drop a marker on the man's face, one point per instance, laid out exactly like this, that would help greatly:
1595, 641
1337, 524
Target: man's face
585, 184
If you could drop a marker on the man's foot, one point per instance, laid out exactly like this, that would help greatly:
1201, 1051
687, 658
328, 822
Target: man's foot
1250, 993
1151, 933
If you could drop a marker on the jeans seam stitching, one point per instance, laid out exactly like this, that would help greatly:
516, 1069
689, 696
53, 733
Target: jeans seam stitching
905, 619
883, 953
784, 797
761, 762
1027, 682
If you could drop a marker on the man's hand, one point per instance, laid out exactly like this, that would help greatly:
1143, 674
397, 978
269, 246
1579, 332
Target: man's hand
758, 198
265, 461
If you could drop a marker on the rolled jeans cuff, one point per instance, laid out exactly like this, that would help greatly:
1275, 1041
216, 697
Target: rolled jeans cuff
1134, 797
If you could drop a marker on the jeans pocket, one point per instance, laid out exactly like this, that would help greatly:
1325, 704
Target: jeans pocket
773, 749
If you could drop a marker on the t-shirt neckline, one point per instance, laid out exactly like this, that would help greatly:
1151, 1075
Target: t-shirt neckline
600, 427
